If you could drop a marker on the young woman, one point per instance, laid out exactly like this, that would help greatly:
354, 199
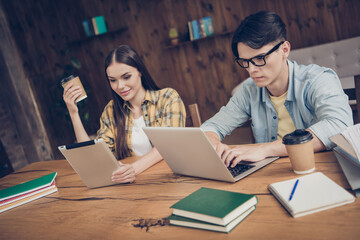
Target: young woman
137, 102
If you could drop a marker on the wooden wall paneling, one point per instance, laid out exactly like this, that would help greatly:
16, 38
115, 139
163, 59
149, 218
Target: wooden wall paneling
346, 18
140, 36
196, 57
18, 94
312, 24
233, 12
179, 68
166, 76
223, 62
187, 77
9, 134
149, 35
179, 75
42, 30
212, 78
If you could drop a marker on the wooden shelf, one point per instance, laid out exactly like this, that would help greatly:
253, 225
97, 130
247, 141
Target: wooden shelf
197, 40
86, 39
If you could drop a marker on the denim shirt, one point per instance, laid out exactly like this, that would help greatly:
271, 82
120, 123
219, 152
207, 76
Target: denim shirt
315, 101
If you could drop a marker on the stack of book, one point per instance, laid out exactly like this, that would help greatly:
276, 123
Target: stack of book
200, 28
212, 209
26, 192
94, 26
347, 152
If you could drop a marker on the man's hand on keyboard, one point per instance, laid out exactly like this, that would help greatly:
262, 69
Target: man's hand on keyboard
251, 153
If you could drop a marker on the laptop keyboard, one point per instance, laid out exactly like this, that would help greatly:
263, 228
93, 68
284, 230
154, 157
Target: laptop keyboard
238, 169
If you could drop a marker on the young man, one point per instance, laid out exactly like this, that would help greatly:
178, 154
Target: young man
279, 97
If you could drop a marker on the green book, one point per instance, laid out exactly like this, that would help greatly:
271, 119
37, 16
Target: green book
100, 23
214, 206
26, 187
192, 223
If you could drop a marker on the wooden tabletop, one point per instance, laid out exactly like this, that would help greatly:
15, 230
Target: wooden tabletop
137, 211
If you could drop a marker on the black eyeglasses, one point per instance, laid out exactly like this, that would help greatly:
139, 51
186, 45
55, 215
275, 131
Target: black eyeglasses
258, 61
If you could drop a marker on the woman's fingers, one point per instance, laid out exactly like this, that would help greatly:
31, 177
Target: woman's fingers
126, 173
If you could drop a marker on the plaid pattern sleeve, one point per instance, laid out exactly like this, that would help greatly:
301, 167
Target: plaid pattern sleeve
164, 108
107, 129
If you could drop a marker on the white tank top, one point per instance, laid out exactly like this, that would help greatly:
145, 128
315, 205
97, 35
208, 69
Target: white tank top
139, 141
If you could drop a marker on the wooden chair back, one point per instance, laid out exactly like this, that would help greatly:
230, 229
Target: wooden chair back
195, 115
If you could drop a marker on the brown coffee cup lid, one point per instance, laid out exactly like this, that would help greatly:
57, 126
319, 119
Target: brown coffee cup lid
297, 137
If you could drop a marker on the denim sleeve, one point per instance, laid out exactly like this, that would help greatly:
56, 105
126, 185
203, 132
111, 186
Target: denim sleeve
231, 116
331, 107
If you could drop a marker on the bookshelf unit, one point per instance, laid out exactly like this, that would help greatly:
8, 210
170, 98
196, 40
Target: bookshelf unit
181, 43
86, 39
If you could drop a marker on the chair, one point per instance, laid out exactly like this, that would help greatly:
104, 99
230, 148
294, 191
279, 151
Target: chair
195, 115
354, 98
241, 135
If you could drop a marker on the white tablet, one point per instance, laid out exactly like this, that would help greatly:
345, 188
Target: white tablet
92, 161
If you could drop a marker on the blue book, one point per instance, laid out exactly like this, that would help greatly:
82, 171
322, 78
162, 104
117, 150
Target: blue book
87, 28
208, 25
201, 28
195, 29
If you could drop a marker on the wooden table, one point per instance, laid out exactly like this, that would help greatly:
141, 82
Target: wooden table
118, 212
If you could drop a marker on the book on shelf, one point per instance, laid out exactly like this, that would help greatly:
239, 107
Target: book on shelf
28, 191
94, 26
96, 30
347, 153
314, 193
100, 24
200, 28
214, 205
195, 29
193, 223
191, 34
208, 25
87, 28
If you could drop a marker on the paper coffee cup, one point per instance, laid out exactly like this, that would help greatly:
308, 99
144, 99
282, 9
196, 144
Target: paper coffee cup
299, 145
76, 81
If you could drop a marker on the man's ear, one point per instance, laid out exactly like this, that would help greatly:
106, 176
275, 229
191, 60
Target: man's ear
285, 48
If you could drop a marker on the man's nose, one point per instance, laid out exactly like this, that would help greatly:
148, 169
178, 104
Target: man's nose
252, 67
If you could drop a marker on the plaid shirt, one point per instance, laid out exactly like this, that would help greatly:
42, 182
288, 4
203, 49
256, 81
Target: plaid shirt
162, 108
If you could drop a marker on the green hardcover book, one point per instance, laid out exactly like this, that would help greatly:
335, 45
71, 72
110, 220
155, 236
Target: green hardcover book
101, 25
192, 223
213, 205
26, 187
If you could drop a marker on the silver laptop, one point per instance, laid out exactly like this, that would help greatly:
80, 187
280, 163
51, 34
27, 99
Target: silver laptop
92, 161
188, 151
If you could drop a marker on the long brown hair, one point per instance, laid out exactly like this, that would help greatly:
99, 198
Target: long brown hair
127, 55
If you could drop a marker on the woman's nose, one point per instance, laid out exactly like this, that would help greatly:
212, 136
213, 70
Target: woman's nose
120, 84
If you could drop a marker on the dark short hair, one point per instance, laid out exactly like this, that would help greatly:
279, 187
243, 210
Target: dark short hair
259, 29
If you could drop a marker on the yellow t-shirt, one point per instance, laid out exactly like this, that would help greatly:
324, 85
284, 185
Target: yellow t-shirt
285, 123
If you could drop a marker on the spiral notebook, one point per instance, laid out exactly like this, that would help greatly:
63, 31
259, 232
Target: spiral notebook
314, 193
